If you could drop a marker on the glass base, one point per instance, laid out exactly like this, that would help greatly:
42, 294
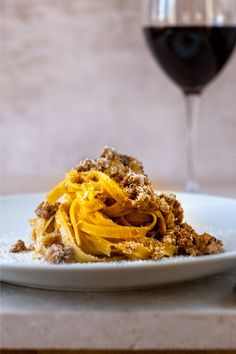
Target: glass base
192, 187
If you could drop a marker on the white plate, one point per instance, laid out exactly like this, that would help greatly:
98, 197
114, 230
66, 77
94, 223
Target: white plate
206, 213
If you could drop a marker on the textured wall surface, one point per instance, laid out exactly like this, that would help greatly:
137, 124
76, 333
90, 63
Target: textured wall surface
77, 75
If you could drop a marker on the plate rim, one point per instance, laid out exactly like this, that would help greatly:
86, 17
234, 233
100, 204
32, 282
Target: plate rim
96, 266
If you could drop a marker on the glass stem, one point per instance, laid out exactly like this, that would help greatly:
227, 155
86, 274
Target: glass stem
193, 102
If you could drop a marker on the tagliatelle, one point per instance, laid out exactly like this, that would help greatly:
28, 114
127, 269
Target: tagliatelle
97, 231
106, 210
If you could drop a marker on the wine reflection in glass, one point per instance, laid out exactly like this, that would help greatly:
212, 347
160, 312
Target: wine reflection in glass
191, 40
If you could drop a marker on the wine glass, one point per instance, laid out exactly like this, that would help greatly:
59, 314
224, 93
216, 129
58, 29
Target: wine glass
191, 40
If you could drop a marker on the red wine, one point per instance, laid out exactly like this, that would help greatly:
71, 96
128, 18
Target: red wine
191, 56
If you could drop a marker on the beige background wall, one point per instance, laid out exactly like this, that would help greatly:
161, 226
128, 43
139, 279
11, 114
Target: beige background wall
77, 75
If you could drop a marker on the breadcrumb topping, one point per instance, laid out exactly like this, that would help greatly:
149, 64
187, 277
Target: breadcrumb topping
128, 172
19, 246
58, 254
45, 210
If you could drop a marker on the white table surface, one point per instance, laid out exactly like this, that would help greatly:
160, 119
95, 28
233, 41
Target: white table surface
199, 314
